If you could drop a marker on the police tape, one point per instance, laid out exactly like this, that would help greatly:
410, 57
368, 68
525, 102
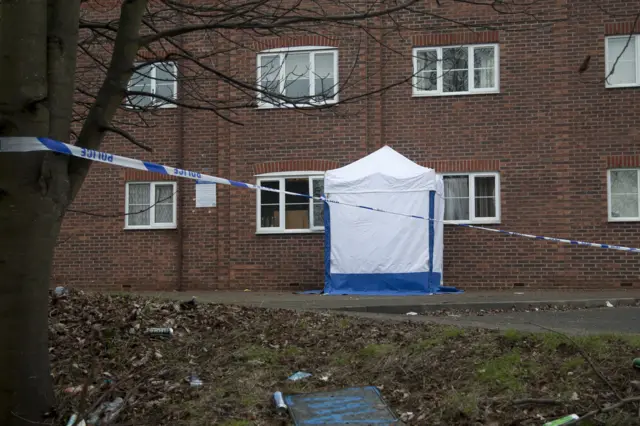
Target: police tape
30, 144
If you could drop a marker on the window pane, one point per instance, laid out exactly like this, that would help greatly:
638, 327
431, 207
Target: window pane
485, 207
624, 205
624, 182
141, 80
426, 74
269, 197
455, 81
297, 76
456, 193
270, 205
270, 73
324, 75
625, 67
297, 208
166, 90
485, 186
164, 204
484, 67
139, 199
318, 206
455, 58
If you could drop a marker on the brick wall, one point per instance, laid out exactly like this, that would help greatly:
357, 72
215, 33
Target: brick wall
551, 132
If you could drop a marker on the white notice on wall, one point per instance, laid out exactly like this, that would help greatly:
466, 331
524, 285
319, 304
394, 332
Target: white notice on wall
205, 194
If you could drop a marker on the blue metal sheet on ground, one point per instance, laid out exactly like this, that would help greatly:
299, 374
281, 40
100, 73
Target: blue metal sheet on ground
352, 406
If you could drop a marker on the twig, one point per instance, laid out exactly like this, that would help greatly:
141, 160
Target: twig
537, 401
128, 136
585, 356
601, 410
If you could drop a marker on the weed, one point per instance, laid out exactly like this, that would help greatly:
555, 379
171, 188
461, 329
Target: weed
504, 372
375, 350
456, 403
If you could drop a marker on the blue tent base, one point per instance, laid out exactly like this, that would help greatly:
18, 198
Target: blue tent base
439, 290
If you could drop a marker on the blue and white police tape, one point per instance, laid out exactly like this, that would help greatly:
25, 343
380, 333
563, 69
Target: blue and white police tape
29, 144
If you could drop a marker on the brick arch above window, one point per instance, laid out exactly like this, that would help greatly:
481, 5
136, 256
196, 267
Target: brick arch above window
294, 166
300, 41
460, 166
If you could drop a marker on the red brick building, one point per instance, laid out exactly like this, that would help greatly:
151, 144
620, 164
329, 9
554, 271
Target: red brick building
538, 144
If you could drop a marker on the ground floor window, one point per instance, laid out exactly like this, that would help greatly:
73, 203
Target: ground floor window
150, 205
624, 198
472, 197
280, 212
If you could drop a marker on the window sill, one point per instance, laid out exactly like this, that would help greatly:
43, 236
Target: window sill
624, 219
150, 107
289, 231
438, 94
293, 106
149, 228
474, 223
622, 86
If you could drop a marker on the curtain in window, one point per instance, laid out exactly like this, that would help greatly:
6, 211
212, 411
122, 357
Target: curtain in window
456, 192
484, 67
296, 68
164, 204
625, 69
624, 193
324, 76
165, 81
139, 196
318, 206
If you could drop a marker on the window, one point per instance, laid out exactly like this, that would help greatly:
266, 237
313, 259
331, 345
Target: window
280, 212
159, 79
150, 205
303, 76
472, 198
455, 70
624, 204
626, 51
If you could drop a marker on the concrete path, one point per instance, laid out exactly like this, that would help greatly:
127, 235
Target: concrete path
623, 318
401, 304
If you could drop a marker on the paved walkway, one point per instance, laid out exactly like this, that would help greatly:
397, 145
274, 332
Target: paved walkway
622, 319
474, 300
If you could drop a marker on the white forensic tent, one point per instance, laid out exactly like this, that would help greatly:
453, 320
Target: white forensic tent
375, 253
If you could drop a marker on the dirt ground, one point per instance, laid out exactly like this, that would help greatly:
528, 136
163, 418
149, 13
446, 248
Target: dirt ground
429, 374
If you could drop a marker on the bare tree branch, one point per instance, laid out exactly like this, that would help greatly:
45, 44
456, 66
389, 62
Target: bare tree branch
126, 135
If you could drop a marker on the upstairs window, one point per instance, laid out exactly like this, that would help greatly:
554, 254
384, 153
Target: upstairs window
623, 61
472, 198
455, 70
298, 77
160, 78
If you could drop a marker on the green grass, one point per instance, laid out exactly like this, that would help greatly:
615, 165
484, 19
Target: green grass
503, 372
376, 350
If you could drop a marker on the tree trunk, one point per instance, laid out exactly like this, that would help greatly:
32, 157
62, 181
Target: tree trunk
29, 226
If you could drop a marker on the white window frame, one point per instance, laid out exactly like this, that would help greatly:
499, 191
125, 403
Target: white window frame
609, 193
470, 68
607, 65
152, 192
472, 196
281, 177
156, 103
282, 52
